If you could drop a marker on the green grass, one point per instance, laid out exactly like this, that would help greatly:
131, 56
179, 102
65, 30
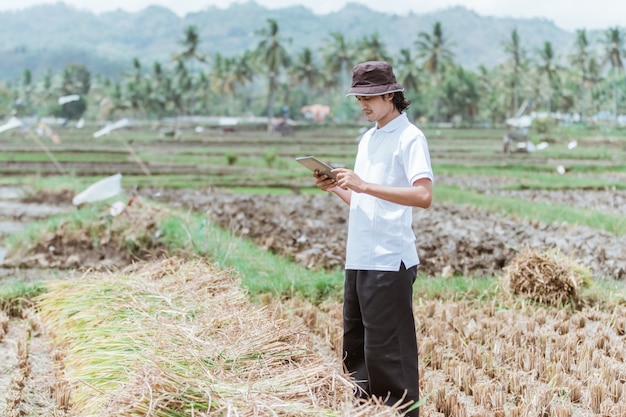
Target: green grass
16, 296
455, 288
543, 212
260, 270
541, 177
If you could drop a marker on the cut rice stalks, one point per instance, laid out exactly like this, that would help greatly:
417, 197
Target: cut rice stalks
179, 338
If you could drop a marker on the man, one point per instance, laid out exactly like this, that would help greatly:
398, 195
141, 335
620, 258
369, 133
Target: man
392, 174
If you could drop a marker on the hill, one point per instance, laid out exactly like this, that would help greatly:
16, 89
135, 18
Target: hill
50, 36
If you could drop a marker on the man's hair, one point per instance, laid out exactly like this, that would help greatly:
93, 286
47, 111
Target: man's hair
400, 102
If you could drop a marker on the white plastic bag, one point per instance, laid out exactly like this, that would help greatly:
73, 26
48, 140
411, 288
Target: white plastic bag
101, 190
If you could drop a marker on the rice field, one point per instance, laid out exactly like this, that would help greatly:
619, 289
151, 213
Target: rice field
187, 304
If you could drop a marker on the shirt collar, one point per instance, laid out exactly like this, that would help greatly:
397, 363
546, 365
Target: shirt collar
394, 124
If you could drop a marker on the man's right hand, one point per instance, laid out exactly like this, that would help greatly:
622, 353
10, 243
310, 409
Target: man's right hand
323, 181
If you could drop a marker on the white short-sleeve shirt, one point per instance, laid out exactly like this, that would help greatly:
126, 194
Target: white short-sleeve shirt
380, 233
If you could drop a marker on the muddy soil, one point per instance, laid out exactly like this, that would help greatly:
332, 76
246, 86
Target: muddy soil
312, 228
450, 239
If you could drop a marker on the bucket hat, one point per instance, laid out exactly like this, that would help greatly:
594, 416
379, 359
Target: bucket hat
373, 78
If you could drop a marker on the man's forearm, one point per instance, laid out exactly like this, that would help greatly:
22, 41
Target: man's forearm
345, 195
419, 195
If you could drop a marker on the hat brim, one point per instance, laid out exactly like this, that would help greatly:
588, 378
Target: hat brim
377, 90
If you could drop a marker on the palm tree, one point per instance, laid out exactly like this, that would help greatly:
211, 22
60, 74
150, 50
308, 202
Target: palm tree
203, 93
583, 63
435, 50
372, 49
243, 73
305, 71
273, 55
25, 93
44, 95
517, 65
190, 43
338, 60
490, 85
460, 94
135, 89
408, 74
614, 50
157, 91
549, 69
224, 83
219, 73
180, 87
190, 52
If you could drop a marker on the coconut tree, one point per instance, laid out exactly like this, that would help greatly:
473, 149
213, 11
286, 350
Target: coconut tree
408, 75
179, 87
44, 95
306, 72
220, 74
372, 48
579, 60
517, 63
243, 74
228, 75
613, 53
587, 68
190, 54
272, 54
338, 57
461, 93
157, 90
190, 43
436, 51
24, 92
548, 70
407, 72
135, 88
490, 86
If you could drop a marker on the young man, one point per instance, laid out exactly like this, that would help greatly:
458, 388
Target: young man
392, 174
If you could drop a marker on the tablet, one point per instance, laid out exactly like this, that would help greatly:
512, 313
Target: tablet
315, 164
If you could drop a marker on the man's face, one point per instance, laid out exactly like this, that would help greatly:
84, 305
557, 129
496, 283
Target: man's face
377, 108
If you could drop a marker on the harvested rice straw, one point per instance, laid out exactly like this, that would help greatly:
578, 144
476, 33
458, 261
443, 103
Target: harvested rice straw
181, 338
548, 277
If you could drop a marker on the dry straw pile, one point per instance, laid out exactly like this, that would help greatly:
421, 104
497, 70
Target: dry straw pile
548, 277
181, 338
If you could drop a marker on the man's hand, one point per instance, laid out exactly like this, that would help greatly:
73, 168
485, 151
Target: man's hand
348, 180
418, 195
323, 181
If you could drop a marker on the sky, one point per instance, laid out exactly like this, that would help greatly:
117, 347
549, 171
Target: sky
567, 14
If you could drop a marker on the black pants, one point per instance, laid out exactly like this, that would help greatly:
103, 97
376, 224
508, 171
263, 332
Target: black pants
379, 343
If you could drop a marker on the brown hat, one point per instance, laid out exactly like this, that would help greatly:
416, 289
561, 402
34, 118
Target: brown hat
373, 78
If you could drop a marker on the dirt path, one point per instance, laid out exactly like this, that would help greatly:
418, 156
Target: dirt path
27, 371
26, 361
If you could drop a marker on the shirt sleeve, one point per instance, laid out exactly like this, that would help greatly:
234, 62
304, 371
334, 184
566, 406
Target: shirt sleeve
417, 159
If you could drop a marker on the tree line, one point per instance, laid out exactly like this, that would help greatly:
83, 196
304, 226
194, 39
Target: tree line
586, 78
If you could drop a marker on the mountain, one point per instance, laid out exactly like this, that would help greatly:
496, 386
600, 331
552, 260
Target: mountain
52, 35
